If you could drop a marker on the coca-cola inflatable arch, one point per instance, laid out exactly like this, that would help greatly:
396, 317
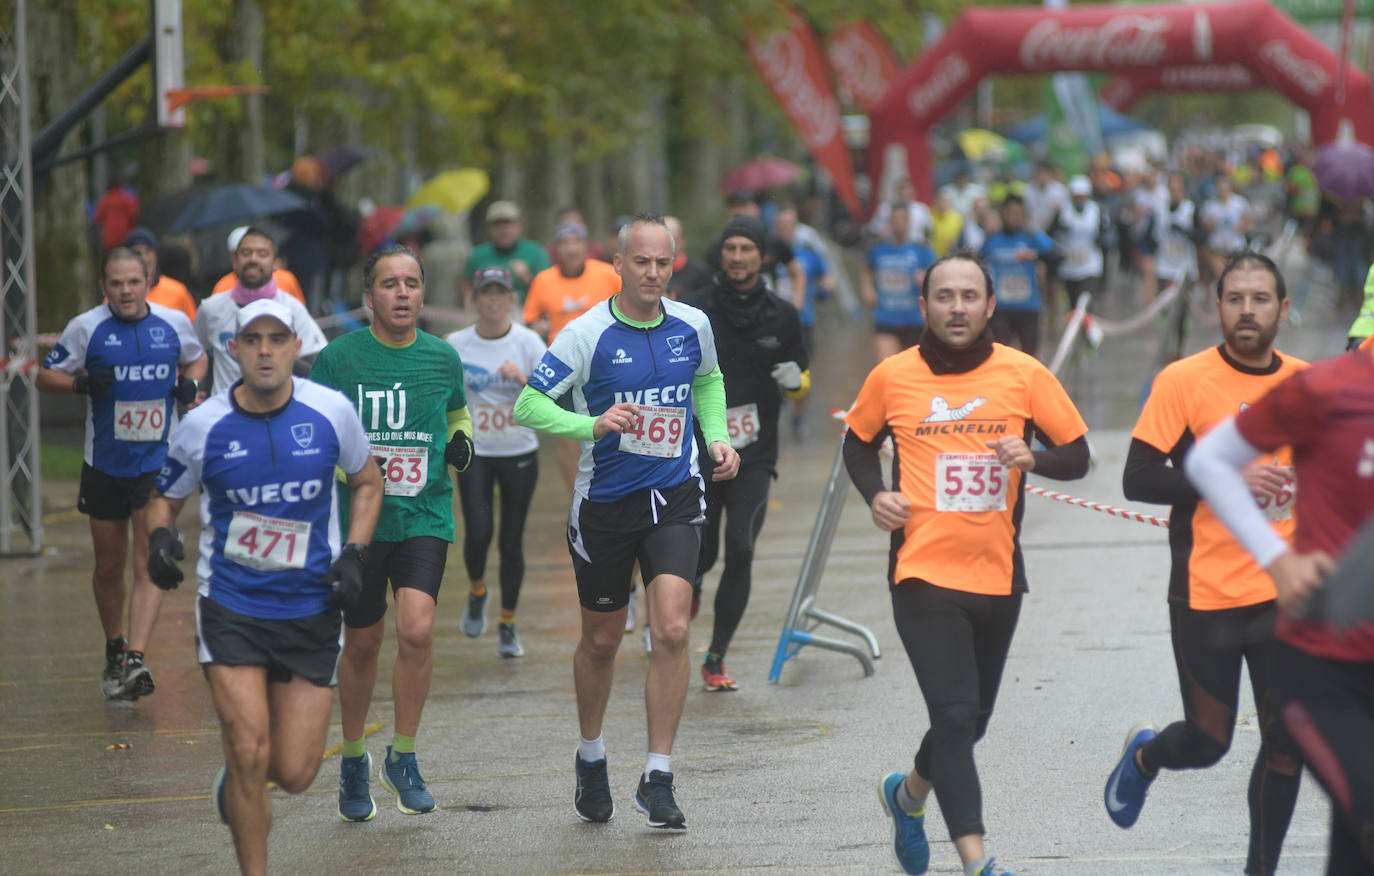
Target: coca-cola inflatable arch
1155, 47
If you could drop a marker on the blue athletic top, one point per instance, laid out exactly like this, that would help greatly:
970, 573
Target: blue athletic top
815, 267
894, 269
268, 505
1015, 282
126, 428
604, 360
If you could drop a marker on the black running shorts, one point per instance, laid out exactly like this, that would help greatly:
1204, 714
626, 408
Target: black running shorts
307, 646
416, 562
659, 528
106, 497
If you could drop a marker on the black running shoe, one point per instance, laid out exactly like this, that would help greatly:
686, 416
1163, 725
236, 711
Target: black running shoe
655, 798
592, 802
136, 681
112, 679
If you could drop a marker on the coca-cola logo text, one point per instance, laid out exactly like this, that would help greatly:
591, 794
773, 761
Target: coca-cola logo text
858, 66
951, 72
782, 59
1123, 41
1307, 75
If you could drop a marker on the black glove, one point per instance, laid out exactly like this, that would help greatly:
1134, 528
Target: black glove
185, 390
164, 550
345, 577
459, 451
94, 383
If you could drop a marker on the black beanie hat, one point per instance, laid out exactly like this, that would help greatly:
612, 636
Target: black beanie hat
745, 226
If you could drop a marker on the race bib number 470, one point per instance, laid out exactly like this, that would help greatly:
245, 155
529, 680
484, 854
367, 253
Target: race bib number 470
657, 431
267, 543
140, 420
404, 469
970, 482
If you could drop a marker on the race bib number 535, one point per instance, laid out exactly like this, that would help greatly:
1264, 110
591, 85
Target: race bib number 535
970, 482
656, 432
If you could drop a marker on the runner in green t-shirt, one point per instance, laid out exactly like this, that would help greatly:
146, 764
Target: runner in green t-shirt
408, 389
505, 248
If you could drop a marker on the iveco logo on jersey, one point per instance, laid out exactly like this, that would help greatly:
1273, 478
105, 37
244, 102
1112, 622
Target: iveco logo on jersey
143, 372
656, 395
290, 491
621, 358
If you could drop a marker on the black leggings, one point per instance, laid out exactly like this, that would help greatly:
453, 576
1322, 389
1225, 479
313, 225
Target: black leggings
957, 643
516, 476
1328, 707
743, 501
1023, 325
1208, 649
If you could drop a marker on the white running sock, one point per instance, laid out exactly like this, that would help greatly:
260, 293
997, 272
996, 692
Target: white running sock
658, 762
591, 750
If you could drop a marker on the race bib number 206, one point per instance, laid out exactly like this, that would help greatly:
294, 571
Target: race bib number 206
970, 482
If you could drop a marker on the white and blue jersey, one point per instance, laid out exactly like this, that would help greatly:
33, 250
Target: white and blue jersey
126, 428
268, 503
604, 360
894, 267
1016, 286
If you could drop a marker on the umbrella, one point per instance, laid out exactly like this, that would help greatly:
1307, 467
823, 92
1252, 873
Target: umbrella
1345, 170
416, 220
342, 158
760, 174
378, 227
453, 190
980, 143
159, 214
232, 203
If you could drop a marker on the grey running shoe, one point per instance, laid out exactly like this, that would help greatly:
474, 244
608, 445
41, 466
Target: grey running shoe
509, 641
475, 620
111, 680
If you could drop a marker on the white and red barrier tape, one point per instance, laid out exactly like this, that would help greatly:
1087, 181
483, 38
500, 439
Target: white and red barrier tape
1098, 506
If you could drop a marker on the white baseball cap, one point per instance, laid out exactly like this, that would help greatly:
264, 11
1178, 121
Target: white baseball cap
236, 237
260, 308
1080, 185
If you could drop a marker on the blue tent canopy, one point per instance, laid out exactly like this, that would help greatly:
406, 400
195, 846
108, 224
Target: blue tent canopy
1113, 122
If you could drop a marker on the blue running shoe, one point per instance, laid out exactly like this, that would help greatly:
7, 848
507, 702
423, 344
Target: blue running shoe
1126, 786
217, 793
402, 778
908, 830
355, 792
474, 621
991, 869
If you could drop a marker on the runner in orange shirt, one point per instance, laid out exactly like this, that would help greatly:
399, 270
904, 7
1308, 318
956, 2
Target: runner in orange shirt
560, 293
164, 290
1221, 604
285, 280
960, 410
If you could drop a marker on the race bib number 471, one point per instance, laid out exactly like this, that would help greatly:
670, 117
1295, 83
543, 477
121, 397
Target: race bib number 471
657, 431
970, 482
267, 543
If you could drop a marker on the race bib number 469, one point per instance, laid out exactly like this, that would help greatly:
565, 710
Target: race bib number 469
140, 420
404, 469
656, 432
267, 543
970, 482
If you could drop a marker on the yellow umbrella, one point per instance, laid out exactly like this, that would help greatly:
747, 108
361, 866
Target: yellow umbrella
980, 143
452, 190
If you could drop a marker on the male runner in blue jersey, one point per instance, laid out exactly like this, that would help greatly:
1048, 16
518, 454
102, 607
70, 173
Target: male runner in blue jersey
273, 571
639, 366
127, 351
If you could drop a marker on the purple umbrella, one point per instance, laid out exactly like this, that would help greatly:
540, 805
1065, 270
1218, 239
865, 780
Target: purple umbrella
1345, 170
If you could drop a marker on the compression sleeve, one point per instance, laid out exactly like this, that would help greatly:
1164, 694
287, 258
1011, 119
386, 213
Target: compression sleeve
538, 411
1067, 462
708, 395
1149, 477
1214, 466
863, 463
801, 391
459, 420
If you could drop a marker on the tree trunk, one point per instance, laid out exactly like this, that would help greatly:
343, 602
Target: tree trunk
245, 44
63, 260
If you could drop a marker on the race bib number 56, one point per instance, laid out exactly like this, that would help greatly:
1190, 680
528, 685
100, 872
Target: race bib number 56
742, 425
404, 469
656, 432
970, 482
267, 543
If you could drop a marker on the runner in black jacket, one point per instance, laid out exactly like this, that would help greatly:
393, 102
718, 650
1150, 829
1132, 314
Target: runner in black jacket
759, 341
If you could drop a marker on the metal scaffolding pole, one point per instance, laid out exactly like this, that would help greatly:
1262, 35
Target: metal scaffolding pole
21, 509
